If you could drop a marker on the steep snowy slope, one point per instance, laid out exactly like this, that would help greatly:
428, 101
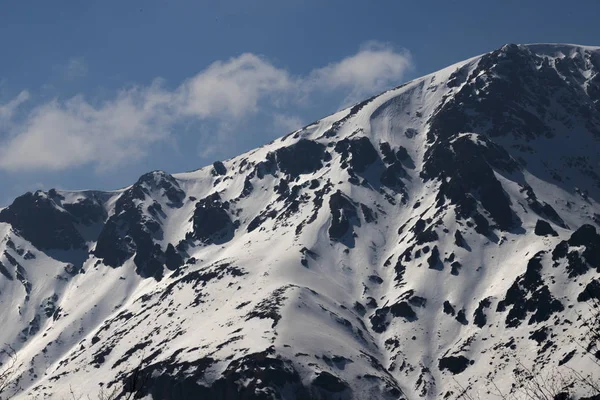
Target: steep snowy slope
438, 235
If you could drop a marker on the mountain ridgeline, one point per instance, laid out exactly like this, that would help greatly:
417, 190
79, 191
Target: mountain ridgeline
432, 239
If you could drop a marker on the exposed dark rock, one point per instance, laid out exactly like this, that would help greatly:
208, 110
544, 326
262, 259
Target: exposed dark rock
389, 157
543, 228
528, 294
37, 218
404, 310
218, 168
399, 269
261, 218
5, 272
539, 335
418, 301
358, 153
459, 240
173, 259
303, 157
359, 308
86, 211
508, 93
454, 364
448, 309
591, 291
392, 175
371, 302
461, 317
131, 231
48, 305
343, 216
269, 307
479, 317
257, 376
464, 166
330, 382
434, 261
379, 320
579, 262
248, 187
586, 236
266, 167
211, 221
455, 267
368, 214
567, 358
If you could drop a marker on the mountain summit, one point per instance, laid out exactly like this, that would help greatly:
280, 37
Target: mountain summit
432, 239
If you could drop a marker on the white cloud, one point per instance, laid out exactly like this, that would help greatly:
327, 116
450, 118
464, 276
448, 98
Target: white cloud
60, 134
371, 70
232, 88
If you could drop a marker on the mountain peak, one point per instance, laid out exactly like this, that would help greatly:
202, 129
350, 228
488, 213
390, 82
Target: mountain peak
441, 231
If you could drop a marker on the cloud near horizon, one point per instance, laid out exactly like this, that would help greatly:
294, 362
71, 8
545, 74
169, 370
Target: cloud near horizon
60, 134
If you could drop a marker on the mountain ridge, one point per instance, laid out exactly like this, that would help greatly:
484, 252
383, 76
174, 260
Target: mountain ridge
401, 230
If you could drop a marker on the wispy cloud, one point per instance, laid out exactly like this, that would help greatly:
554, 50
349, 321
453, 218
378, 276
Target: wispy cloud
370, 70
62, 134
8, 110
74, 68
286, 123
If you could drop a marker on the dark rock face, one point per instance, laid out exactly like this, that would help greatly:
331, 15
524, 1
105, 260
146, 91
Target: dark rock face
509, 92
37, 218
392, 176
358, 153
343, 216
529, 294
539, 335
543, 228
578, 263
132, 231
211, 221
434, 261
173, 259
257, 376
380, 320
86, 211
303, 157
586, 236
464, 166
459, 240
455, 365
330, 382
479, 317
218, 168
404, 310
591, 291
368, 214
394, 171
269, 307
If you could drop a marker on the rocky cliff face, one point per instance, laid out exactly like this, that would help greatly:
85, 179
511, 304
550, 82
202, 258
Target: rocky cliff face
441, 234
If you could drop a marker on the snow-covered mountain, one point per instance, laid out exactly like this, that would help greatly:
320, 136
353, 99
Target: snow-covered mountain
437, 236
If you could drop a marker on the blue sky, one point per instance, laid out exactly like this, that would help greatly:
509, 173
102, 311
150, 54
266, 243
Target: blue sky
95, 93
